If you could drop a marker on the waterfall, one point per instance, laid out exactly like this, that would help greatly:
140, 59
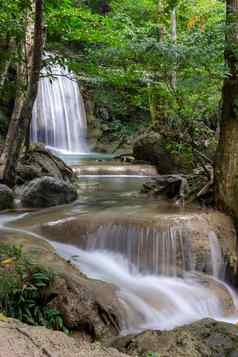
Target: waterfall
159, 284
152, 250
154, 300
217, 261
59, 118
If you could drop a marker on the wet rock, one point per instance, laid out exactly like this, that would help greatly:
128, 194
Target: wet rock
154, 149
6, 197
170, 186
205, 338
191, 226
87, 305
46, 192
40, 162
21, 340
218, 288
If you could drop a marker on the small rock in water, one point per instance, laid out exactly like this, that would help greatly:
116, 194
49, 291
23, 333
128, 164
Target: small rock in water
47, 192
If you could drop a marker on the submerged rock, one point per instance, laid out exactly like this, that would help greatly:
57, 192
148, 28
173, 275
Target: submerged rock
205, 338
48, 191
21, 340
6, 197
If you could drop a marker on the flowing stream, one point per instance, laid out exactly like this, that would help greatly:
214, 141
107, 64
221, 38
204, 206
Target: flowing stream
155, 295
156, 269
160, 279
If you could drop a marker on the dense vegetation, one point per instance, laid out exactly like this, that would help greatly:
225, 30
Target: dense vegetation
124, 55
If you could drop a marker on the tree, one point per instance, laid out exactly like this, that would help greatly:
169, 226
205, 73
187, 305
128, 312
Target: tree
226, 170
174, 39
23, 67
18, 135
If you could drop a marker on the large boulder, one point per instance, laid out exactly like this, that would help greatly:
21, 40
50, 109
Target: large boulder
205, 338
46, 192
6, 197
21, 340
154, 149
40, 162
87, 305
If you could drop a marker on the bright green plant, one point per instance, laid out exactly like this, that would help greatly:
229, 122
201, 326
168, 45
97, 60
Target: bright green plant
23, 290
152, 354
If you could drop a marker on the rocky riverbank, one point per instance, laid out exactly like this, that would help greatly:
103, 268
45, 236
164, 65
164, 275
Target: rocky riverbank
93, 313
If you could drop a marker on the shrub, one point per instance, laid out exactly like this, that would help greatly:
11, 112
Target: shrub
23, 287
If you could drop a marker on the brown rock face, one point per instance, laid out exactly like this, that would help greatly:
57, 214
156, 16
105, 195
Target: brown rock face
41, 162
205, 338
20, 340
87, 305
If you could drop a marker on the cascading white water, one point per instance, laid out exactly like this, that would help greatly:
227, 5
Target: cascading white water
218, 266
159, 296
152, 250
59, 118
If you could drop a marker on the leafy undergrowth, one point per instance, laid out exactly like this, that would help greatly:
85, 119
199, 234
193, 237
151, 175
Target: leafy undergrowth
23, 287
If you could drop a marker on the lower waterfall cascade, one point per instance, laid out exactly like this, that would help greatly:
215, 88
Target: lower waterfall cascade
156, 276
59, 117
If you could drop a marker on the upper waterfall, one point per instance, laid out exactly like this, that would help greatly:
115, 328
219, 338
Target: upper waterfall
59, 118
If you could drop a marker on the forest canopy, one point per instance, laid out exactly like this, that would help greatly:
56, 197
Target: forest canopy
127, 46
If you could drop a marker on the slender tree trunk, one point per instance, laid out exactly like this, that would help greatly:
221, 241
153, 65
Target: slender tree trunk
226, 168
16, 141
174, 40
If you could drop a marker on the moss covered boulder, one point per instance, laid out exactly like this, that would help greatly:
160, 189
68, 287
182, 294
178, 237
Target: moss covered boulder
155, 149
205, 338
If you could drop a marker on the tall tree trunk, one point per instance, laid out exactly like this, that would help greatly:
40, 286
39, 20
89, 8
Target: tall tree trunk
226, 168
23, 73
174, 40
16, 141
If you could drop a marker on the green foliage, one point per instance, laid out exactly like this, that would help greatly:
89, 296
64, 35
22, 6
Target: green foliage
130, 50
123, 54
152, 354
23, 289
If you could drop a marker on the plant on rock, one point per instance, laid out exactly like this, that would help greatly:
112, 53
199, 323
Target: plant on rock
23, 288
